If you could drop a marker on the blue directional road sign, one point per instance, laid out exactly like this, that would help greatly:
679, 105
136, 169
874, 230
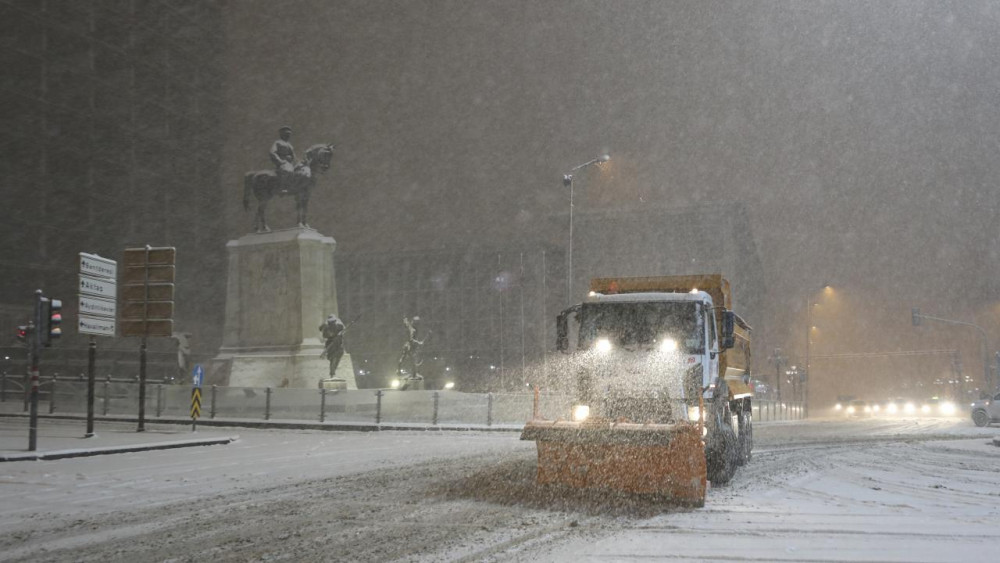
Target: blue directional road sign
197, 376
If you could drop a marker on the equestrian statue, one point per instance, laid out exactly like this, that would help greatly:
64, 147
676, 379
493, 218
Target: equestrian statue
287, 178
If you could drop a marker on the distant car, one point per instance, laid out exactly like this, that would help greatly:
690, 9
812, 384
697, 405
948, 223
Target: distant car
936, 406
985, 411
858, 408
900, 406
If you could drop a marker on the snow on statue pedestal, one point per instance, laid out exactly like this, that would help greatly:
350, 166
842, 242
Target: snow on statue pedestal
280, 288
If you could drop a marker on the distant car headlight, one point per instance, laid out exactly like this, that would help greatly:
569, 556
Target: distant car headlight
948, 409
850, 410
875, 408
668, 345
926, 409
603, 345
395, 384
581, 412
891, 408
868, 409
909, 408
694, 414
838, 406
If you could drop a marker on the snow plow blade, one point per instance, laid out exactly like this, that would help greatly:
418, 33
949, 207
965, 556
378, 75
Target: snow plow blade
658, 459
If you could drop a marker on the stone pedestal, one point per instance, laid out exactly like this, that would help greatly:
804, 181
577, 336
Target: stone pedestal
280, 289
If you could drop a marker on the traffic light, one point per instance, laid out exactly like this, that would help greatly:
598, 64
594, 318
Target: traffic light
22, 333
54, 311
916, 316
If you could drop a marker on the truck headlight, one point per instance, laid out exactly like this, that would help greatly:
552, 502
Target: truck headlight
394, 384
908, 408
838, 406
850, 410
948, 409
694, 414
668, 345
581, 412
603, 345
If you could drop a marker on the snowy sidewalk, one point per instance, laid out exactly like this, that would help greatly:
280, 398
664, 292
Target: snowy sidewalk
61, 439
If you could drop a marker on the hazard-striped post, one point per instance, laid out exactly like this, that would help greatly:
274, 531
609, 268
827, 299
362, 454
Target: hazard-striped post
196, 379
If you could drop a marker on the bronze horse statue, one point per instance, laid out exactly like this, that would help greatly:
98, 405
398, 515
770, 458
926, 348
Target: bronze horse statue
264, 185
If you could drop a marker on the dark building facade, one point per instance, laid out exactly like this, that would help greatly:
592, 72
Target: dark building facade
111, 115
487, 316
658, 240
490, 314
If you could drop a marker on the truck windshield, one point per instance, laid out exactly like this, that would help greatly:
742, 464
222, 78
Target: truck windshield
641, 325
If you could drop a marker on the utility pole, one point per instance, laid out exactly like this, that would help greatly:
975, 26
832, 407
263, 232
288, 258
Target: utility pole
956, 368
779, 362
34, 345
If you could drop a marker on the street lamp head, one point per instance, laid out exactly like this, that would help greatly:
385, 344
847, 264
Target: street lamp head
602, 158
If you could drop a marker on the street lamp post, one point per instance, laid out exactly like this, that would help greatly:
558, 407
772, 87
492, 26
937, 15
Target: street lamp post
805, 382
568, 182
808, 372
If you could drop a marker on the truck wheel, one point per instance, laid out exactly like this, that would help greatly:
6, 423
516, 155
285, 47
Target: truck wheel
981, 418
746, 436
721, 453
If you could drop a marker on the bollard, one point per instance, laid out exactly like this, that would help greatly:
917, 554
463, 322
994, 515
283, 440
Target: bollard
489, 409
26, 386
159, 400
322, 404
52, 396
434, 419
378, 407
211, 413
107, 395
267, 404
3, 386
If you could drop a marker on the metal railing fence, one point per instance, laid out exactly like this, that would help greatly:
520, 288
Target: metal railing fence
117, 397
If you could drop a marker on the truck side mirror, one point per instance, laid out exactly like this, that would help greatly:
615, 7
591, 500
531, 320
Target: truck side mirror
728, 327
562, 331
562, 328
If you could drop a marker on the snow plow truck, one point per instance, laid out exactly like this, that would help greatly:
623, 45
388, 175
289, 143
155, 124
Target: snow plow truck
663, 395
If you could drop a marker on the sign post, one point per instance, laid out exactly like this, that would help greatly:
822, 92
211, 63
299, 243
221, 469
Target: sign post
97, 314
197, 377
147, 303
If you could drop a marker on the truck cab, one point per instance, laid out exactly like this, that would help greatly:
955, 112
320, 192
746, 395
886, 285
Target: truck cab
646, 357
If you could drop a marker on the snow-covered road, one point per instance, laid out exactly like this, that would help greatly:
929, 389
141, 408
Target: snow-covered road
869, 490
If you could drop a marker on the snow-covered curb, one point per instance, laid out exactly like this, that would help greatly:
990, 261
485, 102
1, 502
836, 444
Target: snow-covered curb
84, 452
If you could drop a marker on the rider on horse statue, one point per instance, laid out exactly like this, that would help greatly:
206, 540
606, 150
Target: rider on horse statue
283, 157
288, 178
